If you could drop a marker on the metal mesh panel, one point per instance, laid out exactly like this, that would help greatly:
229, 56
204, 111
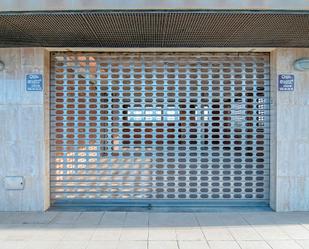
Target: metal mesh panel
160, 126
160, 28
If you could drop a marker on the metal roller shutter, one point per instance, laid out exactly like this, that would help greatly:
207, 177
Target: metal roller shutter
160, 128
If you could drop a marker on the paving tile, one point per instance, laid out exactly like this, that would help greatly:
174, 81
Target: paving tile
162, 245
193, 245
12, 244
52, 232
303, 243
271, 232
189, 234
89, 218
305, 225
39, 217
42, 245
105, 233
136, 219
284, 244
183, 220
102, 245
65, 218
233, 219
134, 234
172, 220
72, 245
162, 234
217, 233
13, 217
209, 219
223, 245
3, 218
4, 230
21, 232
285, 219
79, 234
296, 231
160, 220
254, 245
121, 230
244, 233
113, 219
302, 217
262, 219
132, 245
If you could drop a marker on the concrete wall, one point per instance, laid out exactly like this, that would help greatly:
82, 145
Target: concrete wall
290, 144
28, 5
22, 144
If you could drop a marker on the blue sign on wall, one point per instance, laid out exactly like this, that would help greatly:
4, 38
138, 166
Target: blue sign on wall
286, 82
34, 82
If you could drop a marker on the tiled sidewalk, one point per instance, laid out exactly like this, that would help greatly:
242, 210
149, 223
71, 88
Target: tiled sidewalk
118, 230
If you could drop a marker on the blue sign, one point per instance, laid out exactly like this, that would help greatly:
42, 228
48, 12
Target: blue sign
286, 82
34, 82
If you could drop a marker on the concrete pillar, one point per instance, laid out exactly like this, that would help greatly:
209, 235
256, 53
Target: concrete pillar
22, 143
290, 135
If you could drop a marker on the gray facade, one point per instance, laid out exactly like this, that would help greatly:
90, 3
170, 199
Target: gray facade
25, 146
28, 134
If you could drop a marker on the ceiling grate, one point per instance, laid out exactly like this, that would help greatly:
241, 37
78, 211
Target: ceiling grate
155, 29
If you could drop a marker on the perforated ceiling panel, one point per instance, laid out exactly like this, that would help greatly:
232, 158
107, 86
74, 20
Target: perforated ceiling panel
160, 28
153, 127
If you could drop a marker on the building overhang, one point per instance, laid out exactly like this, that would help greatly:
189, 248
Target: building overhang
155, 28
48, 5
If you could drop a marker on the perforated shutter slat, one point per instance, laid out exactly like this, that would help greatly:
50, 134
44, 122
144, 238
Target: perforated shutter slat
159, 126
